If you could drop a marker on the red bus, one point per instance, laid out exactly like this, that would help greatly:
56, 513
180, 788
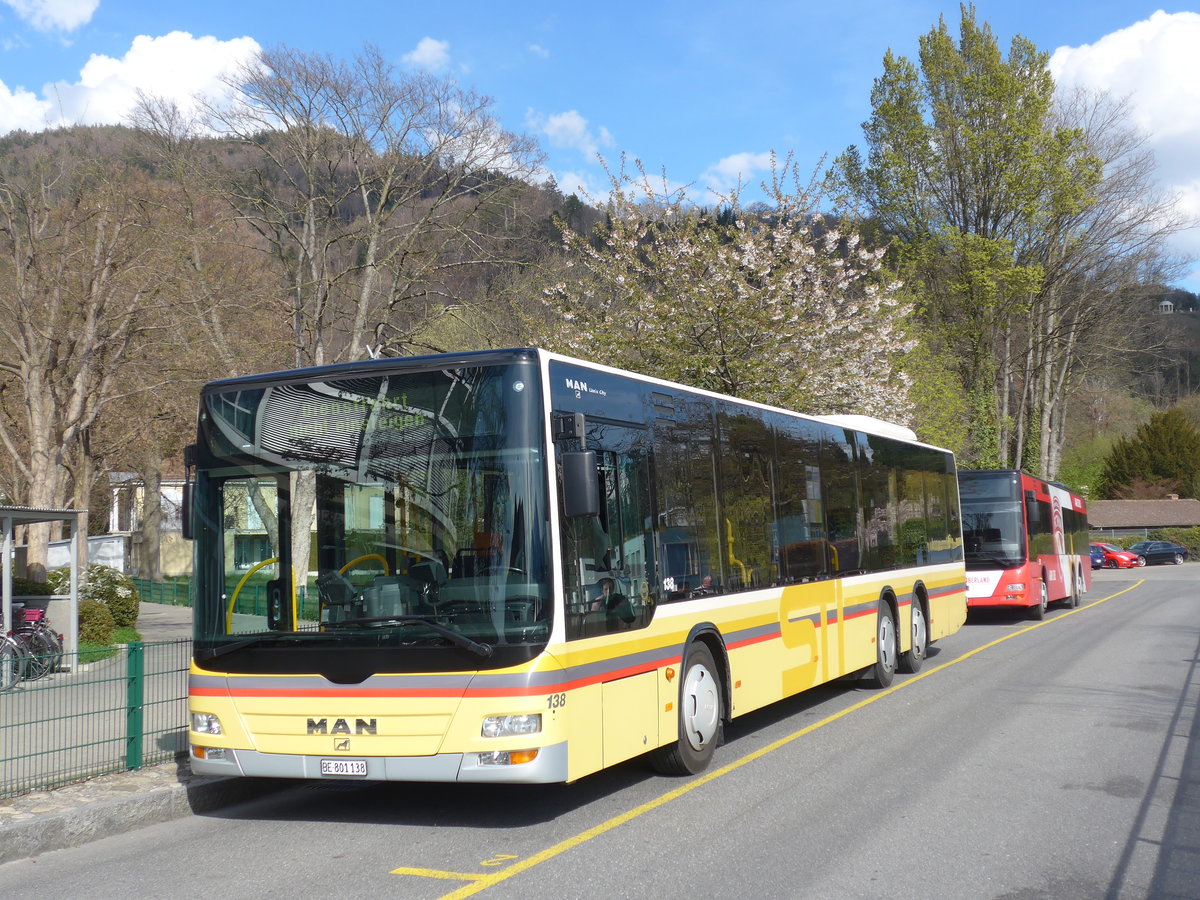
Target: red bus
1026, 541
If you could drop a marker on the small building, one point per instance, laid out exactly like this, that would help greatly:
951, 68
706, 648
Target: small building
128, 493
1123, 518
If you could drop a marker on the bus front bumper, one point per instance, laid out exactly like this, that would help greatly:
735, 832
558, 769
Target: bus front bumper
548, 767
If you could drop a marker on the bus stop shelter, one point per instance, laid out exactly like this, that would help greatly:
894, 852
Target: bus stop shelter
67, 604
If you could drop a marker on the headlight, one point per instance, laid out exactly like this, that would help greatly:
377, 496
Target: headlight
507, 757
206, 723
507, 726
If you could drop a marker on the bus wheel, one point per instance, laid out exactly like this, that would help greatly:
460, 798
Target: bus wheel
911, 660
699, 717
880, 675
1039, 611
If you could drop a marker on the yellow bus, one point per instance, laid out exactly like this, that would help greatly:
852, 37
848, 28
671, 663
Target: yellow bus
512, 566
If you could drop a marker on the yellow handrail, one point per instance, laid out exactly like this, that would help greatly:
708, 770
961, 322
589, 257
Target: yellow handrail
241, 584
354, 562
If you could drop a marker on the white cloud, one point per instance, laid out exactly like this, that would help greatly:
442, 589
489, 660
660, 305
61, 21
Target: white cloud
430, 54
539, 50
571, 131
20, 110
1153, 62
54, 15
175, 66
588, 186
745, 169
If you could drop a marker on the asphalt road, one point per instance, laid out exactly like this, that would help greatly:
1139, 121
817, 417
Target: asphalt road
1058, 759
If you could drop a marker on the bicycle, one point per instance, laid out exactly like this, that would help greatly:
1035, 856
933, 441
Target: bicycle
14, 661
43, 643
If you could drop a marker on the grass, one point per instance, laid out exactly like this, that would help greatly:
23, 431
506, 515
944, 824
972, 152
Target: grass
90, 651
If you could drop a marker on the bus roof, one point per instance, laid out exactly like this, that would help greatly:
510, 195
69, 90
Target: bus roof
854, 422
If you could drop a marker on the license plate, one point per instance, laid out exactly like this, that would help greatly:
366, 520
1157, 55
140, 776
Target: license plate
343, 767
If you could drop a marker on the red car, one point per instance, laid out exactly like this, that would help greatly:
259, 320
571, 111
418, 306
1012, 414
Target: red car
1116, 558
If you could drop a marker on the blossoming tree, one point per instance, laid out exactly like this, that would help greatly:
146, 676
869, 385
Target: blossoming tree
770, 302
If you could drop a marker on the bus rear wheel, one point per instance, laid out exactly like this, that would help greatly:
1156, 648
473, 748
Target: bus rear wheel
700, 717
912, 659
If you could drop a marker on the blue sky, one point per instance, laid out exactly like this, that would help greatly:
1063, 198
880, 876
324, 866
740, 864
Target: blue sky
704, 90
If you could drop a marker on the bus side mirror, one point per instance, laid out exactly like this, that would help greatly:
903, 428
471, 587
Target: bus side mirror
185, 511
581, 486
1033, 512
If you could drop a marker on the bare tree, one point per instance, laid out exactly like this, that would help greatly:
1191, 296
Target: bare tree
78, 273
1101, 260
370, 189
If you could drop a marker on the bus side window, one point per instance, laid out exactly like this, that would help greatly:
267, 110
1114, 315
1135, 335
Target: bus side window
605, 559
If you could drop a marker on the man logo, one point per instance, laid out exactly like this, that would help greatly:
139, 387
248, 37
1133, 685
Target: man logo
341, 726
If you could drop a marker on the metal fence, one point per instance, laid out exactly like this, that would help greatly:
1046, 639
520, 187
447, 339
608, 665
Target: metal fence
250, 599
95, 716
174, 592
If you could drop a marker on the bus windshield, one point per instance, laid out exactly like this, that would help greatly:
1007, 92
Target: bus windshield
993, 520
389, 510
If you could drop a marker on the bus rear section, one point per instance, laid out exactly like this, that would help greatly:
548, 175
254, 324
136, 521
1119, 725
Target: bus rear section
1026, 541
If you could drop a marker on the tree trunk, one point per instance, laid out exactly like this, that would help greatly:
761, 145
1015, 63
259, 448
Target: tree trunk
151, 556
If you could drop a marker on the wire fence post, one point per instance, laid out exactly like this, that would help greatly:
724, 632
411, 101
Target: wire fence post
135, 704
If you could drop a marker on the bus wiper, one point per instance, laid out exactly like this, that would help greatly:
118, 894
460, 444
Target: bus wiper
1004, 562
455, 637
214, 652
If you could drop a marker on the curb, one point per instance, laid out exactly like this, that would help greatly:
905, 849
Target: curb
89, 822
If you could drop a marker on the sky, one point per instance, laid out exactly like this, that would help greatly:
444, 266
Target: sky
703, 91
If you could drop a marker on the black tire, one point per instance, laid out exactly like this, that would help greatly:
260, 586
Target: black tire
912, 659
1039, 611
1110, 564
41, 653
1141, 561
56, 645
14, 662
1178, 559
1076, 595
700, 716
881, 674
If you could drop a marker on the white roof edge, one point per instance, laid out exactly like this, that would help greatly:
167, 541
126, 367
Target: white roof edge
871, 424
854, 421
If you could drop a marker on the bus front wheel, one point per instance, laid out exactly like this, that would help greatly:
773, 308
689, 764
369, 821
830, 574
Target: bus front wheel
1039, 611
699, 717
881, 674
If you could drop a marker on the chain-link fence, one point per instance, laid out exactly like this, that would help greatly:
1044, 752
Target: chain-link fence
93, 716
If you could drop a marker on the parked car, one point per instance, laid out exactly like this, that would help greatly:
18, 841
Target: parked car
1160, 552
1116, 558
1097, 556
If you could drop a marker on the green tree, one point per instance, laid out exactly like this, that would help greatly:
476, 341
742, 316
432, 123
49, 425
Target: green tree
1020, 219
1164, 451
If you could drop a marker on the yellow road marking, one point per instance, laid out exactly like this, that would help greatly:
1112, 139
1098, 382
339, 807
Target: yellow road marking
438, 873
482, 882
